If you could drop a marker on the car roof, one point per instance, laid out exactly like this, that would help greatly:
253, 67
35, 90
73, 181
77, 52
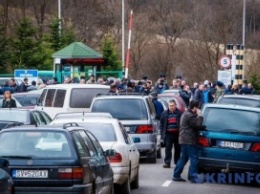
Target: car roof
42, 128
83, 114
89, 120
122, 96
254, 97
66, 86
230, 106
16, 109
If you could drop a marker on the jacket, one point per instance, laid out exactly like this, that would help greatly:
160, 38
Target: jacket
190, 124
12, 104
164, 121
185, 96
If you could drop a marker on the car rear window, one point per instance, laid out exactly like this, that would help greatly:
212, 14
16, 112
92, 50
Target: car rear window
123, 109
82, 97
35, 144
218, 119
240, 101
102, 131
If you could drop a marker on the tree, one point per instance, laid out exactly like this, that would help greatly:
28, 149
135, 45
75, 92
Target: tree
111, 57
24, 46
3, 50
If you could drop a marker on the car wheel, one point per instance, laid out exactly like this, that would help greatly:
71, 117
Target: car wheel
152, 158
125, 187
159, 153
135, 183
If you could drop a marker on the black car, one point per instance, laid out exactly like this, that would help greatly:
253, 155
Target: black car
25, 116
244, 100
56, 160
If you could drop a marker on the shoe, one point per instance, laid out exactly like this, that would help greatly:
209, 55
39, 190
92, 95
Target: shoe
179, 179
166, 166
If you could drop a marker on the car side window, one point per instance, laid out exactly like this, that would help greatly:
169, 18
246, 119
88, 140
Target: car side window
96, 144
46, 117
30, 100
59, 98
39, 118
82, 149
151, 107
42, 97
89, 144
50, 98
125, 135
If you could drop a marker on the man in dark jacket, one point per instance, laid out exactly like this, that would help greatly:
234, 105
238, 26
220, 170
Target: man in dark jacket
185, 94
169, 126
24, 85
190, 124
5, 88
199, 95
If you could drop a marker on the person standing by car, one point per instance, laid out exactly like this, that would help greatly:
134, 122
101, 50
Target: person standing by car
190, 124
157, 105
13, 85
8, 101
24, 85
5, 88
169, 126
185, 94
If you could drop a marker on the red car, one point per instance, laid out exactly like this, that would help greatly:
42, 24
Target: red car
180, 103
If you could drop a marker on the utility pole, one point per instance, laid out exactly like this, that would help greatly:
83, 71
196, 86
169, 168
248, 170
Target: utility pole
123, 35
59, 16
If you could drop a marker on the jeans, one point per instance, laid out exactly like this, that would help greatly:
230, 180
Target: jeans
170, 140
187, 152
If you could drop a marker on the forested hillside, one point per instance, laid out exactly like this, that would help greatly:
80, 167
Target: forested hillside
169, 36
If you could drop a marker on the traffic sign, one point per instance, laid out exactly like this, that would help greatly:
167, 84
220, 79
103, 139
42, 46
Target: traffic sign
224, 61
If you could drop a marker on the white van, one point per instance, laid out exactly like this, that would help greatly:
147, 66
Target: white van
69, 97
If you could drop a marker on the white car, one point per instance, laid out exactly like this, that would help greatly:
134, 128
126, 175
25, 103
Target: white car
112, 135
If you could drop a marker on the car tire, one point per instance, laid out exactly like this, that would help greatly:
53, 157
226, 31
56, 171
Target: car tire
135, 183
125, 187
152, 157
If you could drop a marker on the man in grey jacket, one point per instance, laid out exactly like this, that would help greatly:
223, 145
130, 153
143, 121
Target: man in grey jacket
190, 124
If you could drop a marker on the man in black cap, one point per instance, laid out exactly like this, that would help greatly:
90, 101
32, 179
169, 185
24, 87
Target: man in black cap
219, 91
24, 85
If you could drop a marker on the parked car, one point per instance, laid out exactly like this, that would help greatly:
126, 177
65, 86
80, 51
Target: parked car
137, 114
56, 160
82, 115
179, 101
4, 79
25, 116
16, 101
69, 97
245, 100
112, 135
172, 91
28, 99
231, 142
6, 182
8, 124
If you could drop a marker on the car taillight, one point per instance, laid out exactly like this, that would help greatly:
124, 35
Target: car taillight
144, 129
69, 173
203, 141
117, 158
256, 147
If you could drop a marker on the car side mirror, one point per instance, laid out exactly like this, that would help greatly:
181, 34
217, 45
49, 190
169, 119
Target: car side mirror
3, 163
136, 139
110, 152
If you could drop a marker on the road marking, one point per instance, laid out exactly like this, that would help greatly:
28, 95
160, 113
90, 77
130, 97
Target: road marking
166, 183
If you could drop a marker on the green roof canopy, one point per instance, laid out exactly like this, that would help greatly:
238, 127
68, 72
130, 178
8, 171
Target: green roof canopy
77, 50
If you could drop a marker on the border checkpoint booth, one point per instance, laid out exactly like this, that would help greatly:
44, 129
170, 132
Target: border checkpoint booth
76, 61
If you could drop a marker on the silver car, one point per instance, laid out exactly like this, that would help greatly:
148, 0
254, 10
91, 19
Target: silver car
137, 114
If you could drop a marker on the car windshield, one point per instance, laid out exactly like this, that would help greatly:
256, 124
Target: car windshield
34, 144
230, 120
123, 109
12, 115
240, 101
102, 131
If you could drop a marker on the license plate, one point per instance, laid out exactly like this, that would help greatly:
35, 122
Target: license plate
230, 144
30, 174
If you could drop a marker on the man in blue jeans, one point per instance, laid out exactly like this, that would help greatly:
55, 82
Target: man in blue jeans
190, 124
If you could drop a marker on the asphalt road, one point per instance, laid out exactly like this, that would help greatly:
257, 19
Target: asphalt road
154, 179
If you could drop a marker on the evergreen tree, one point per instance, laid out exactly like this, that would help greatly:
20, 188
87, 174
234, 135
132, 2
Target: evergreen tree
255, 81
3, 51
24, 47
109, 54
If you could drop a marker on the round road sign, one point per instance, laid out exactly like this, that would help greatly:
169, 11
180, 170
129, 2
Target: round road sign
225, 61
